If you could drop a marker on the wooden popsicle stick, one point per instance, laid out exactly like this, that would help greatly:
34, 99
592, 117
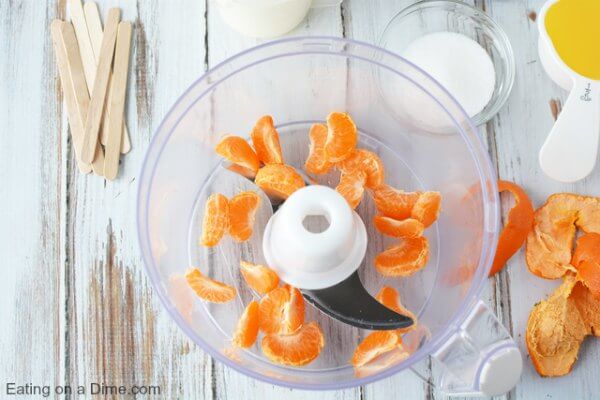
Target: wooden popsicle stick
82, 98
75, 122
94, 23
117, 104
94, 116
84, 42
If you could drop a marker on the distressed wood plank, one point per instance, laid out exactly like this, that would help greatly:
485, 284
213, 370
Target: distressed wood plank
32, 160
119, 332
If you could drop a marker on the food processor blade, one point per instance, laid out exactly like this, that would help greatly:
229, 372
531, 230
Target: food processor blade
349, 302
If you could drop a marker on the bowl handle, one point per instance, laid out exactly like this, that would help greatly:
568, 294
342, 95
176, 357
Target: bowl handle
480, 359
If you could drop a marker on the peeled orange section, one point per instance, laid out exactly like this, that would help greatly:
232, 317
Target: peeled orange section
352, 188
246, 330
408, 228
239, 152
404, 258
209, 289
282, 310
364, 161
299, 348
394, 203
258, 277
266, 141
389, 297
242, 211
427, 208
216, 219
373, 345
279, 180
317, 163
342, 137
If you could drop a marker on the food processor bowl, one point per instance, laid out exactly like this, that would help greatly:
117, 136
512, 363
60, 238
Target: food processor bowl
299, 81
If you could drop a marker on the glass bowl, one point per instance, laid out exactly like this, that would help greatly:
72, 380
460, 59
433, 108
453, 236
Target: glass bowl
428, 16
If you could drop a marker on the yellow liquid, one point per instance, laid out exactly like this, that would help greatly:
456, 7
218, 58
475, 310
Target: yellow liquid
574, 29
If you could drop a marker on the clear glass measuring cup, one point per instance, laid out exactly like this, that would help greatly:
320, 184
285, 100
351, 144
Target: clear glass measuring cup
299, 81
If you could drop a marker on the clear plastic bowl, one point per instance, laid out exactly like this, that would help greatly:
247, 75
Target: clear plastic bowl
299, 81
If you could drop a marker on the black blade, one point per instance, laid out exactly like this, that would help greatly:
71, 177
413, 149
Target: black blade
349, 302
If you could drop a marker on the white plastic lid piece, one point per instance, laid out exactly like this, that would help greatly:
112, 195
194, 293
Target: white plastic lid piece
501, 371
310, 260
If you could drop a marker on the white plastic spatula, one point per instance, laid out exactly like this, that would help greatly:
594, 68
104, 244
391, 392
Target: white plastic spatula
570, 151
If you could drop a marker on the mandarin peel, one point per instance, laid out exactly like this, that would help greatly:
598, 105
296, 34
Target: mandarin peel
519, 223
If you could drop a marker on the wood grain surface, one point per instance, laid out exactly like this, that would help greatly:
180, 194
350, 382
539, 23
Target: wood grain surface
77, 306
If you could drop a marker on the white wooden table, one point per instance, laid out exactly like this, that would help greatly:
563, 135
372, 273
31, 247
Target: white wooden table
76, 306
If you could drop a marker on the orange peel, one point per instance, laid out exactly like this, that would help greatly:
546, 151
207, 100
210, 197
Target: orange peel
517, 227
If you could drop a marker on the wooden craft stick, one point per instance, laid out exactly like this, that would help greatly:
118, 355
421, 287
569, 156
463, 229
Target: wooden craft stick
117, 104
85, 44
82, 98
75, 122
94, 116
94, 24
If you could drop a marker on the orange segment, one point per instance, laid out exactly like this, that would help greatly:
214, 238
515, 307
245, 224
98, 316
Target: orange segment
258, 277
242, 210
518, 225
550, 242
394, 203
403, 259
427, 208
299, 348
266, 141
366, 162
389, 297
279, 180
373, 345
352, 188
216, 219
586, 259
245, 172
246, 330
272, 309
238, 151
408, 228
293, 313
209, 289
382, 362
341, 137
316, 163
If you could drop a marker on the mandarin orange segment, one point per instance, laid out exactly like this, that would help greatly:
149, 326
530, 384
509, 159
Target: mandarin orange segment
245, 172
408, 228
293, 313
352, 188
209, 289
389, 297
279, 180
367, 162
364, 161
403, 259
259, 277
266, 141
242, 211
516, 228
272, 310
238, 151
382, 362
427, 208
216, 219
550, 242
299, 348
341, 137
375, 344
394, 203
246, 330
316, 163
